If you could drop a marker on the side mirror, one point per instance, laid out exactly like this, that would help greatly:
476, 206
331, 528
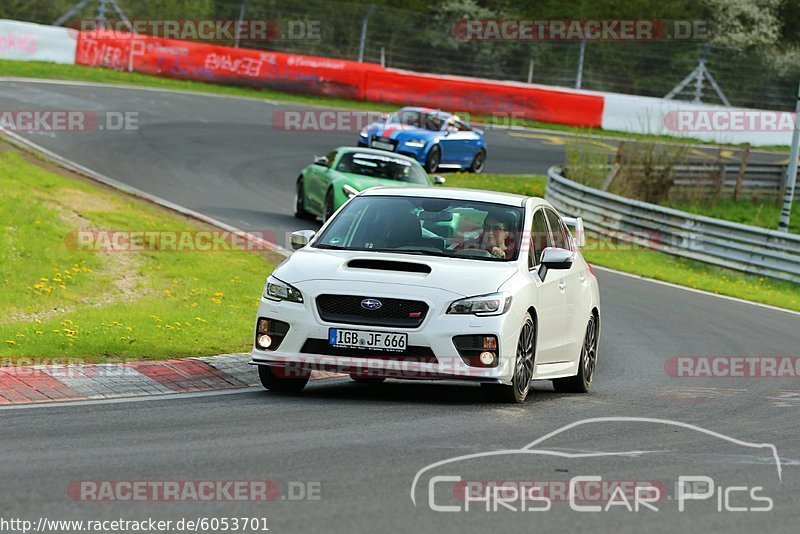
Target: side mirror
438, 180
555, 258
321, 160
301, 238
580, 231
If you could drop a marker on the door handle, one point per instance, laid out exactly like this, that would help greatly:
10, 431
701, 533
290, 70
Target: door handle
562, 285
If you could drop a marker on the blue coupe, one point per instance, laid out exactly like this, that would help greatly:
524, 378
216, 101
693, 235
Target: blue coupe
436, 139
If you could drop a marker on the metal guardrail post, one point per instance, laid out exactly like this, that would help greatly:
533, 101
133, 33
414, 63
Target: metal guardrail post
791, 173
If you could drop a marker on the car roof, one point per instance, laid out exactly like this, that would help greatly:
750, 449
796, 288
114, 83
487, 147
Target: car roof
384, 153
508, 199
430, 111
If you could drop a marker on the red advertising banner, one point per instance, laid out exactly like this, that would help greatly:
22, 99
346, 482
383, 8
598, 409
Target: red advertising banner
334, 77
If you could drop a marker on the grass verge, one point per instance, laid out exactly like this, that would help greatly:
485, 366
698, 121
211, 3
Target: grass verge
765, 214
521, 184
650, 263
54, 71
58, 300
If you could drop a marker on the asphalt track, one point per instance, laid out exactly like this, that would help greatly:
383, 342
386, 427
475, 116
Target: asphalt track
364, 445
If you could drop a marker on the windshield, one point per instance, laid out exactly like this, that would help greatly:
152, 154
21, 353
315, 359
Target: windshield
384, 167
418, 119
426, 226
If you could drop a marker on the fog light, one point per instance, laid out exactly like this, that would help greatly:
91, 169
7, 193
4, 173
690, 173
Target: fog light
487, 358
264, 341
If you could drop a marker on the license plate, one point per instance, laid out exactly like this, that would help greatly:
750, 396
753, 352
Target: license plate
382, 145
364, 339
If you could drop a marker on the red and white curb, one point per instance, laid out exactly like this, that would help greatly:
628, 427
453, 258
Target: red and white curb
58, 383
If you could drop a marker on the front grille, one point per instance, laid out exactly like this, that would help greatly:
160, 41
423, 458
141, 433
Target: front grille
413, 353
347, 309
383, 140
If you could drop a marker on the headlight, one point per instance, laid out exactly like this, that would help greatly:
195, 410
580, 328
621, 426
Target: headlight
416, 143
350, 191
363, 132
274, 289
493, 304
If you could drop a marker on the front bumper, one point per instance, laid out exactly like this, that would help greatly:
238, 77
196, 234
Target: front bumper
434, 337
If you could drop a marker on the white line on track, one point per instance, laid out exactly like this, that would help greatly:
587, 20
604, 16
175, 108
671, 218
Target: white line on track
693, 290
123, 400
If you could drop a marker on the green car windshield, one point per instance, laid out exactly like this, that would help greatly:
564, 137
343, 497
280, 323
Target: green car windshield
426, 226
384, 167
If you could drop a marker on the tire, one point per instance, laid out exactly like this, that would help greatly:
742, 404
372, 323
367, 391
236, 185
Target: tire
581, 382
327, 210
274, 378
433, 159
367, 379
300, 202
520, 386
478, 162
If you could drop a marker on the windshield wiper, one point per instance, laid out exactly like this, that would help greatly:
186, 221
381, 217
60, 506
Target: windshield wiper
331, 247
418, 252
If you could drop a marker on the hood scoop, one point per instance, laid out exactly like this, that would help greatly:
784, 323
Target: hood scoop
389, 265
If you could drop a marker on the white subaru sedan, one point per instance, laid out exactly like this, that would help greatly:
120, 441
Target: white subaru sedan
434, 284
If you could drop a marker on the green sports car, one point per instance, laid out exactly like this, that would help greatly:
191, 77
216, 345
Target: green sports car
327, 183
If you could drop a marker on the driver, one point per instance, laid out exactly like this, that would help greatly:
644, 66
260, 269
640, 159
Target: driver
494, 235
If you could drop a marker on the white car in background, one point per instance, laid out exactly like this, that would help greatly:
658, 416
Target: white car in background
421, 283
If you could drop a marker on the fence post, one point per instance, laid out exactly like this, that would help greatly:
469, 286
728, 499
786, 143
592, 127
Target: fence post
530, 71
742, 169
239, 25
363, 41
581, 55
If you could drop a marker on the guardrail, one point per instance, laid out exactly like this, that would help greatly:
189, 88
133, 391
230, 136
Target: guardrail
725, 177
713, 241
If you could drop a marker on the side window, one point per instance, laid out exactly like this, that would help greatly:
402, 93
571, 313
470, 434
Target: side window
559, 237
539, 238
331, 157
